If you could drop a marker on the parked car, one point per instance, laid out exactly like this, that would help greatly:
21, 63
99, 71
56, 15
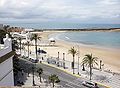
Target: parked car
88, 84
34, 60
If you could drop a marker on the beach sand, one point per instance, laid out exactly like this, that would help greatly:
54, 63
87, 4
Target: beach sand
110, 57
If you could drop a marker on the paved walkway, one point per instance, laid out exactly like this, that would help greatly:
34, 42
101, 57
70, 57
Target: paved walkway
43, 84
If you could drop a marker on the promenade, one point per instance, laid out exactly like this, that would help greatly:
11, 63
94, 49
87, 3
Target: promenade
105, 78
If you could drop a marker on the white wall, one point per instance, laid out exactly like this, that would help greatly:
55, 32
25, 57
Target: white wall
5, 68
4, 51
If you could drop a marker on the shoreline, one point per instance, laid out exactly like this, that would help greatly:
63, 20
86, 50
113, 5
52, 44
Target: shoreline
110, 57
53, 35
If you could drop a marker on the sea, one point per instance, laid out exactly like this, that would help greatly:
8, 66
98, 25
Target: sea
104, 39
54, 25
92, 38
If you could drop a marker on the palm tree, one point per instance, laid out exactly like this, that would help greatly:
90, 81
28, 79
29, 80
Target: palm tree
20, 39
15, 45
23, 47
28, 44
54, 79
2, 35
35, 37
40, 71
73, 52
89, 61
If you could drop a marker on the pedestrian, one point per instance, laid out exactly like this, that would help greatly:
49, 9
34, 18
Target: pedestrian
42, 58
96, 86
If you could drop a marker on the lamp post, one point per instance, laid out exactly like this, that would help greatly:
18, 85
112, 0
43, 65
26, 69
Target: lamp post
78, 58
64, 60
58, 60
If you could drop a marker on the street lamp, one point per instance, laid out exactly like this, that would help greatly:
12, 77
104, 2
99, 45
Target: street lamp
100, 64
78, 58
64, 60
58, 60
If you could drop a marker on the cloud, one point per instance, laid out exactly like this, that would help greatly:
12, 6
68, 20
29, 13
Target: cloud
55, 10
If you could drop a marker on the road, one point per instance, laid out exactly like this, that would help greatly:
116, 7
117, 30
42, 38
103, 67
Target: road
66, 80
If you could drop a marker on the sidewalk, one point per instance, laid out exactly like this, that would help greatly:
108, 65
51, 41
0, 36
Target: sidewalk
43, 84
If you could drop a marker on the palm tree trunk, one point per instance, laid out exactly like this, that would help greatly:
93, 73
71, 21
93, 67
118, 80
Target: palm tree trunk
28, 50
90, 71
73, 63
83, 67
36, 48
40, 78
53, 84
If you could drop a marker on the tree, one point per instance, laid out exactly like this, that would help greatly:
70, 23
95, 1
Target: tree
40, 71
14, 45
28, 44
2, 35
54, 79
6, 27
20, 39
73, 52
35, 37
16, 64
90, 61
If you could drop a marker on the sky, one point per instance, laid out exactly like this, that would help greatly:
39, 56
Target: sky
76, 11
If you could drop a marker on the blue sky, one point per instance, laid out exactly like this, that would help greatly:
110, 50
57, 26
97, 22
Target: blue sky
76, 11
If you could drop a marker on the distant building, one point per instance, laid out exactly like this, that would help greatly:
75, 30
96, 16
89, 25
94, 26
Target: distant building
28, 30
1, 26
16, 29
6, 63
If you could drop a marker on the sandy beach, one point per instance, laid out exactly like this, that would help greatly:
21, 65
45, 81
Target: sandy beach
110, 57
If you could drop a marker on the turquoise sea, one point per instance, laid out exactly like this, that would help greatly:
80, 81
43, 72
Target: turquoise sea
55, 25
102, 39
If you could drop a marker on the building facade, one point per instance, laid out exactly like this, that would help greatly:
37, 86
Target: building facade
1, 26
6, 63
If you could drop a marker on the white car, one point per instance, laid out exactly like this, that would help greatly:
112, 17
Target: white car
88, 84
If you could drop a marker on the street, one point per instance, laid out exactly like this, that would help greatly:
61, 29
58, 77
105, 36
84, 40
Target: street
66, 80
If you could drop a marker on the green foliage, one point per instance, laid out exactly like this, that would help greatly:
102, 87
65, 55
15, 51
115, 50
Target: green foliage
40, 71
72, 51
54, 79
89, 61
2, 35
35, 37
15, 45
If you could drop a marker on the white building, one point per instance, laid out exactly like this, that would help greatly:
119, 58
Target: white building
6, 63
1, 26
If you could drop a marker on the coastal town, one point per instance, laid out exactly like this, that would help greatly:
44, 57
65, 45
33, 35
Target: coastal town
33, 58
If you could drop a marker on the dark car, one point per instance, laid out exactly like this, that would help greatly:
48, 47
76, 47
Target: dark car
34, 60
88, 84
